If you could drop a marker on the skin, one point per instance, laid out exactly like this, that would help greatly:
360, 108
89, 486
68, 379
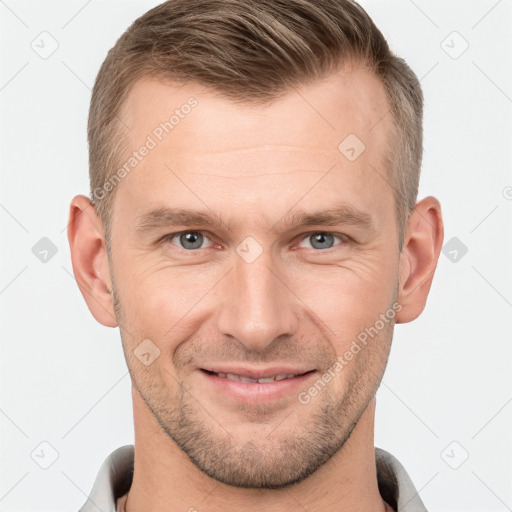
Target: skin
295, 304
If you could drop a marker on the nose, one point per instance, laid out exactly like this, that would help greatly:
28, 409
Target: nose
258, 305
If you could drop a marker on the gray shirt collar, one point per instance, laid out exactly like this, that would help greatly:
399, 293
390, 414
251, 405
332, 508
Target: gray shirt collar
115, 478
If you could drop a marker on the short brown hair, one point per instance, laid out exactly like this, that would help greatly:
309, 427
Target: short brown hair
252, 52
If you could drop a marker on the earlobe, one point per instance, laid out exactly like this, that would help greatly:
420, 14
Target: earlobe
418, 260
90, 261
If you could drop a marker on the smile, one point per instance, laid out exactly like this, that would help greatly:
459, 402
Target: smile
256, 389
262, 380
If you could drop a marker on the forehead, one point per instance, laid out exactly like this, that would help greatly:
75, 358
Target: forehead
352, 100
240, 152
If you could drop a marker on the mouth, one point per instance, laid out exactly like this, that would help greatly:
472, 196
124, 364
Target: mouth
248, 386
261, 380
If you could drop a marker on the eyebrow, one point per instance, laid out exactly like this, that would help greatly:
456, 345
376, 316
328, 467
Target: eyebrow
342, 214
165, 217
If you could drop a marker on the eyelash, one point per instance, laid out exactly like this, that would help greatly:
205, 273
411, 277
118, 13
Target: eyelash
345, 239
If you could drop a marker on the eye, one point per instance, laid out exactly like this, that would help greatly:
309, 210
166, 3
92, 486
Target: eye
323, 240
188, 240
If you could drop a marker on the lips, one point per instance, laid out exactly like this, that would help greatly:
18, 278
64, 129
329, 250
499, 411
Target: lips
262, 380
253, 385
237, 371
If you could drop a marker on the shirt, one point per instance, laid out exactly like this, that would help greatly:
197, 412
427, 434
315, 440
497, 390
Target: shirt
115, 476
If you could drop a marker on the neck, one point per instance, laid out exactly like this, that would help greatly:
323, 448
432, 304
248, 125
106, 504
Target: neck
166, 479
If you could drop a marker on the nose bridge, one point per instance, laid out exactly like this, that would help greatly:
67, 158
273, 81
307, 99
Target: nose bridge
258, 307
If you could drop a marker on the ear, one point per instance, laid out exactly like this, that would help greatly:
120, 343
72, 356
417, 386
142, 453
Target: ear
423, 241
90, 261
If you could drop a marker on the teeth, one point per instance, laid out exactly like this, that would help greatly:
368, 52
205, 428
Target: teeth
267, 379
263, 380
247, 379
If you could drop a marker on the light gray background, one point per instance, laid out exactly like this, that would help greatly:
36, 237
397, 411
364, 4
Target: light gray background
447, 390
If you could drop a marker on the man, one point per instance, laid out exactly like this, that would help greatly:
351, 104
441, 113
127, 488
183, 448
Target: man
255, 235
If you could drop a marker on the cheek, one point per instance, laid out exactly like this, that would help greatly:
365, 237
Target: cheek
159, 301
363, 285
345, 302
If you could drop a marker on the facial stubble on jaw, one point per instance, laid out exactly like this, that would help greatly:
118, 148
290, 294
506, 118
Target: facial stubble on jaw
283, 458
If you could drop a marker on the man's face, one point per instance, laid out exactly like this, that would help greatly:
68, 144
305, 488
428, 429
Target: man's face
259, 291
